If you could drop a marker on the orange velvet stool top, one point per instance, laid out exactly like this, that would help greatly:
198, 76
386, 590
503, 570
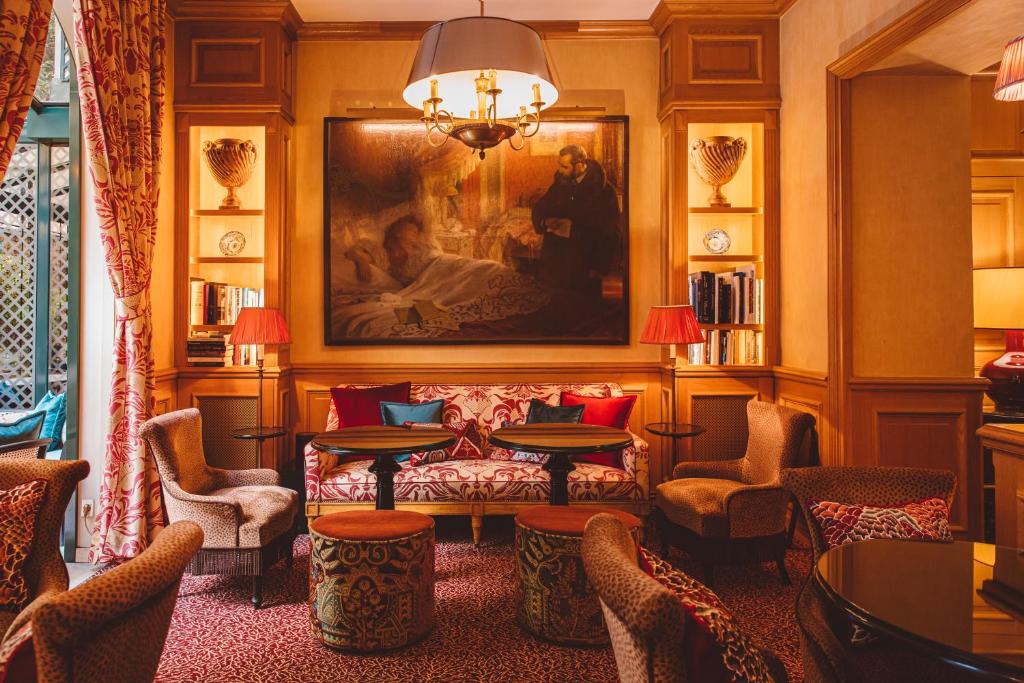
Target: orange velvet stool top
371, 525
568, 520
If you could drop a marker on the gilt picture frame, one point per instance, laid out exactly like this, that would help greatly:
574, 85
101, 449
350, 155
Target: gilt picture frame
433, 245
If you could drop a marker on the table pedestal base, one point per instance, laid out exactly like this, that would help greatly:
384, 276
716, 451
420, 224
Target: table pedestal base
559, 466
384, 467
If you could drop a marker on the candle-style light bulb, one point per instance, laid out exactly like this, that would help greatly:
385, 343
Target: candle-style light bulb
426, 109
433, 88
494, 80
536, 92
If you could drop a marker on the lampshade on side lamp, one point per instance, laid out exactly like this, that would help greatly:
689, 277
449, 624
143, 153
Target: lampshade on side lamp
1010, 81
999, 305
672, 325
260, 326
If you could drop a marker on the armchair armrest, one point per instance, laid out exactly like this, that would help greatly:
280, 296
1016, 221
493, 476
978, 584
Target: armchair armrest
636, 463
757, 510
224, 479
218, 516
710, 469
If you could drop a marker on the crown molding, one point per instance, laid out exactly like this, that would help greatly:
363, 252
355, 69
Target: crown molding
281, 11
412, 30
667, 10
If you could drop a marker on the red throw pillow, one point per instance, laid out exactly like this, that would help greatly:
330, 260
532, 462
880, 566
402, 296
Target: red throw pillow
19, 508
715, 649
468, 443
610, 411
18, 656
842, 523
357, 407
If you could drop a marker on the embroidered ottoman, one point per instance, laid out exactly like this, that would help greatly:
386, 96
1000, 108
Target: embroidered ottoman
556, 602
371, 583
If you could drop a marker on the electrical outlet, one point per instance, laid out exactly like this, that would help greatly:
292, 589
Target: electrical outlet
87, 508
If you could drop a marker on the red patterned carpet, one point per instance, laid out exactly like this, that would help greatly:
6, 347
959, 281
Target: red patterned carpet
217, 636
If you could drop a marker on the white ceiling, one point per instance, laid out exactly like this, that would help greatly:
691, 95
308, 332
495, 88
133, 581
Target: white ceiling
437, 10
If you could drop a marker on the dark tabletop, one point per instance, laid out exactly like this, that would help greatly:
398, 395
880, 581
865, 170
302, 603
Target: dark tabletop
674, 429
961, 601
258, 433
561, 438
378, 440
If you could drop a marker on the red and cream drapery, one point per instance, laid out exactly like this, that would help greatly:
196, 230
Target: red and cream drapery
23, 28
120, 48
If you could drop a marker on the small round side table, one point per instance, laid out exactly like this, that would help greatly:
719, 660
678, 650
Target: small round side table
674, 431
259, 435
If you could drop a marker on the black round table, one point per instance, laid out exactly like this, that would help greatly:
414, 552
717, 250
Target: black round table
960, 602
383, 443
674, 431
559, 441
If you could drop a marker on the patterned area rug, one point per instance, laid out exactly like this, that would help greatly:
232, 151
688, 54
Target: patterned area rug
216, 635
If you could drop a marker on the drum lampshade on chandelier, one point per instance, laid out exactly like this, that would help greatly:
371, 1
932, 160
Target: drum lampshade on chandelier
480, 80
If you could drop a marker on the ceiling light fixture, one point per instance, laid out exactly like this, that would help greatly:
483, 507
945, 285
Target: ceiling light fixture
466, 64
1010, 81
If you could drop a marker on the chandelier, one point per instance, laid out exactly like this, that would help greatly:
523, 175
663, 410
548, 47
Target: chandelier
480, 80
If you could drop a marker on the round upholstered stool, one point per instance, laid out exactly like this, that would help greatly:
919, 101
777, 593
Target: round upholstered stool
556, 601
371, 580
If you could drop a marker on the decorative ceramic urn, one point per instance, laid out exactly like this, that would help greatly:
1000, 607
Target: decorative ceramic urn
231, 161
716, 160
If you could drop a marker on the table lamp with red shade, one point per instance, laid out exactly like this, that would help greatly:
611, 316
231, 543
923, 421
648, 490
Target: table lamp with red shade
672, 325
260, 326
999, 305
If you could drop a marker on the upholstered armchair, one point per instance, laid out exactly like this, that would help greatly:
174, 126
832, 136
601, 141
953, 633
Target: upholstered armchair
21, 450
247, 519
735, 510
45, 571
826, 634
113, 626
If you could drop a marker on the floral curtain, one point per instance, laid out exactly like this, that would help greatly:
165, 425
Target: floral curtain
23, 28
120, 48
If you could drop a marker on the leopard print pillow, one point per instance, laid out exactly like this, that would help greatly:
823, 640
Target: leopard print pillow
841, 523
19, 508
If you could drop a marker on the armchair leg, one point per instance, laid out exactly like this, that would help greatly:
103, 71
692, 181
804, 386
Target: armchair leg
257, 591
794, 513
289, 558
781, 564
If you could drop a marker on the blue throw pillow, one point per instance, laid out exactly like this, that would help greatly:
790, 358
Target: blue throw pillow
24, 428
397, 414
56, 407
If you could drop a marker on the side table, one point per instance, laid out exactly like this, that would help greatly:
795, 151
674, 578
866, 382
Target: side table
674, 431
259, 435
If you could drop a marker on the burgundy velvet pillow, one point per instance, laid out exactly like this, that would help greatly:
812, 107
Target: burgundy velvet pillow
359, 407
611, 411
18, 657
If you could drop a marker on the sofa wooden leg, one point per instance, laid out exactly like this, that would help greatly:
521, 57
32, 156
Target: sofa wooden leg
478, 524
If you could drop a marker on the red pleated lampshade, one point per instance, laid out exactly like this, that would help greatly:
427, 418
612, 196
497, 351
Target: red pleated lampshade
1010, 81
671, 325
260, 326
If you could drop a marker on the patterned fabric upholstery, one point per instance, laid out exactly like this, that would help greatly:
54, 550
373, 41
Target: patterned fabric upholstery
113, 626
842, 523
739, 498
369, 595
497, 477
44, 571
19, 508
235, 508
874, 485
556, 601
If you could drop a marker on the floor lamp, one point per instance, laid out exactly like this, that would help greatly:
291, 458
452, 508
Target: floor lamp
672, 325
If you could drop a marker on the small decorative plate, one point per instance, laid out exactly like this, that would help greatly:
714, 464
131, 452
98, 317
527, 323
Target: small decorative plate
232, 243
717, 241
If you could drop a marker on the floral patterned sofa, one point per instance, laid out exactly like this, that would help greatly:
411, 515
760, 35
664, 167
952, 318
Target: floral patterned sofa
496, 485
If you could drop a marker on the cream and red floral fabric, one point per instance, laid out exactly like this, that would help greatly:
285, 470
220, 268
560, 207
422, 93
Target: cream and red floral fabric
497, 477
23, 28
19, 509
842, 523
120, 47
469, 445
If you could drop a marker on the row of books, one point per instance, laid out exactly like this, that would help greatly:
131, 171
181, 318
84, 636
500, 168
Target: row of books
216, 303
215, 350
734, 297
728, 347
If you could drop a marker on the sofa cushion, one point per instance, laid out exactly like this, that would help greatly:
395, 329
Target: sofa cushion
266, 511
19, 509
355, 406
609, 411
397, 414
468, 444
842, 523
476, 480
542, 413
697, 504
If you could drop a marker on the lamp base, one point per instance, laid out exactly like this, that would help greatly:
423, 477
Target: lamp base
1006, 373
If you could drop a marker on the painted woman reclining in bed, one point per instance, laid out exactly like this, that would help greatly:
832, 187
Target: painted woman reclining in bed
417, 290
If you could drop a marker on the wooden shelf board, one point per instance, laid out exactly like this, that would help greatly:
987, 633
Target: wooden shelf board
725, 210
732, 326
726, 258
225, 259
226, 212
211, 328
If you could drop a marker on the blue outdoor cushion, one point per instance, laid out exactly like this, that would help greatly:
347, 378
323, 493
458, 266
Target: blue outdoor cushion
24, 428
56, 407
397, 414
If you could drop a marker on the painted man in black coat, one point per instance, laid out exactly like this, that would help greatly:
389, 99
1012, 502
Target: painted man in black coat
579, 218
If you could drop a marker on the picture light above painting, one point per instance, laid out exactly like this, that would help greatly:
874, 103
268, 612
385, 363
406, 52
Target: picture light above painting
426, 245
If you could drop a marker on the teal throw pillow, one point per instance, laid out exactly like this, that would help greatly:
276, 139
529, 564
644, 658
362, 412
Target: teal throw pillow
56, 407
397, 414
24, 428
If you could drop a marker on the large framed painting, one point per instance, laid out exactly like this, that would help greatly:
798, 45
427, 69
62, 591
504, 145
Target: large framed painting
430, 244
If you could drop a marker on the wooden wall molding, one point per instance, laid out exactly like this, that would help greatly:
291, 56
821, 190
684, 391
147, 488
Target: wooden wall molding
667, 10
810, 377
932, 384
281, 11
412, 30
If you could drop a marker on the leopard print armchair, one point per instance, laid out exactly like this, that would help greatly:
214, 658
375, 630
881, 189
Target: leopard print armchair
45, 570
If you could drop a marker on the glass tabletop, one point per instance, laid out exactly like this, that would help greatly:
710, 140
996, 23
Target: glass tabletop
962, 601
